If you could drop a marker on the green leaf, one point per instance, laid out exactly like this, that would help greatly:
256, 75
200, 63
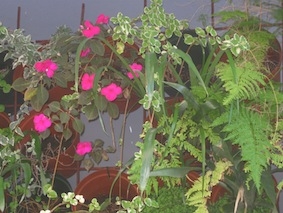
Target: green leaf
78, 125
177, 172
77, 63
188, 96
58, 127
195, 76
29, 93
101, 103
37, 145
113, 110
27, 173
90, 112
67, 134
54, 106
64, 117
60, 79
98, 143
150, 65
40, 98
20, 84
97, 47
126, 204
147, 157
2, 195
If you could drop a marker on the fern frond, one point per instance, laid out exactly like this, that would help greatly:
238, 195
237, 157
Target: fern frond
250, 131
200, 192
242, 84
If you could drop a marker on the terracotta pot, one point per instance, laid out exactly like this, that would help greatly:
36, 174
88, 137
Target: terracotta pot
4, 120
66, 166
56, 93
98, 184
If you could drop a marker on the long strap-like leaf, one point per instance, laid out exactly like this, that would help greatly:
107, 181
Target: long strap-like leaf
147, 157
2, 196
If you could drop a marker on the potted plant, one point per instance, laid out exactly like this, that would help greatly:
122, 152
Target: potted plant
58, 131
243, 196
22, 176
228, 103
112, 184
264, 45
8, 95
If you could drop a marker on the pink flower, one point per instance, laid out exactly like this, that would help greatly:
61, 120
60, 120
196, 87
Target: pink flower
111, 91
84, 148
41, 122
85, 52
89, 30
136, 69
102, 19
47, 66
87, 81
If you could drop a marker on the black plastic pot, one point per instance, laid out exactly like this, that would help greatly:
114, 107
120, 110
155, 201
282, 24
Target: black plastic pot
196, 52
12, 99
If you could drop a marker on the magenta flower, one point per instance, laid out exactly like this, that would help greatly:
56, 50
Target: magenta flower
47, 66
136, 68
111, 91
41, 122
87, 81
84, 148
85, 52
89, 30
102, 19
